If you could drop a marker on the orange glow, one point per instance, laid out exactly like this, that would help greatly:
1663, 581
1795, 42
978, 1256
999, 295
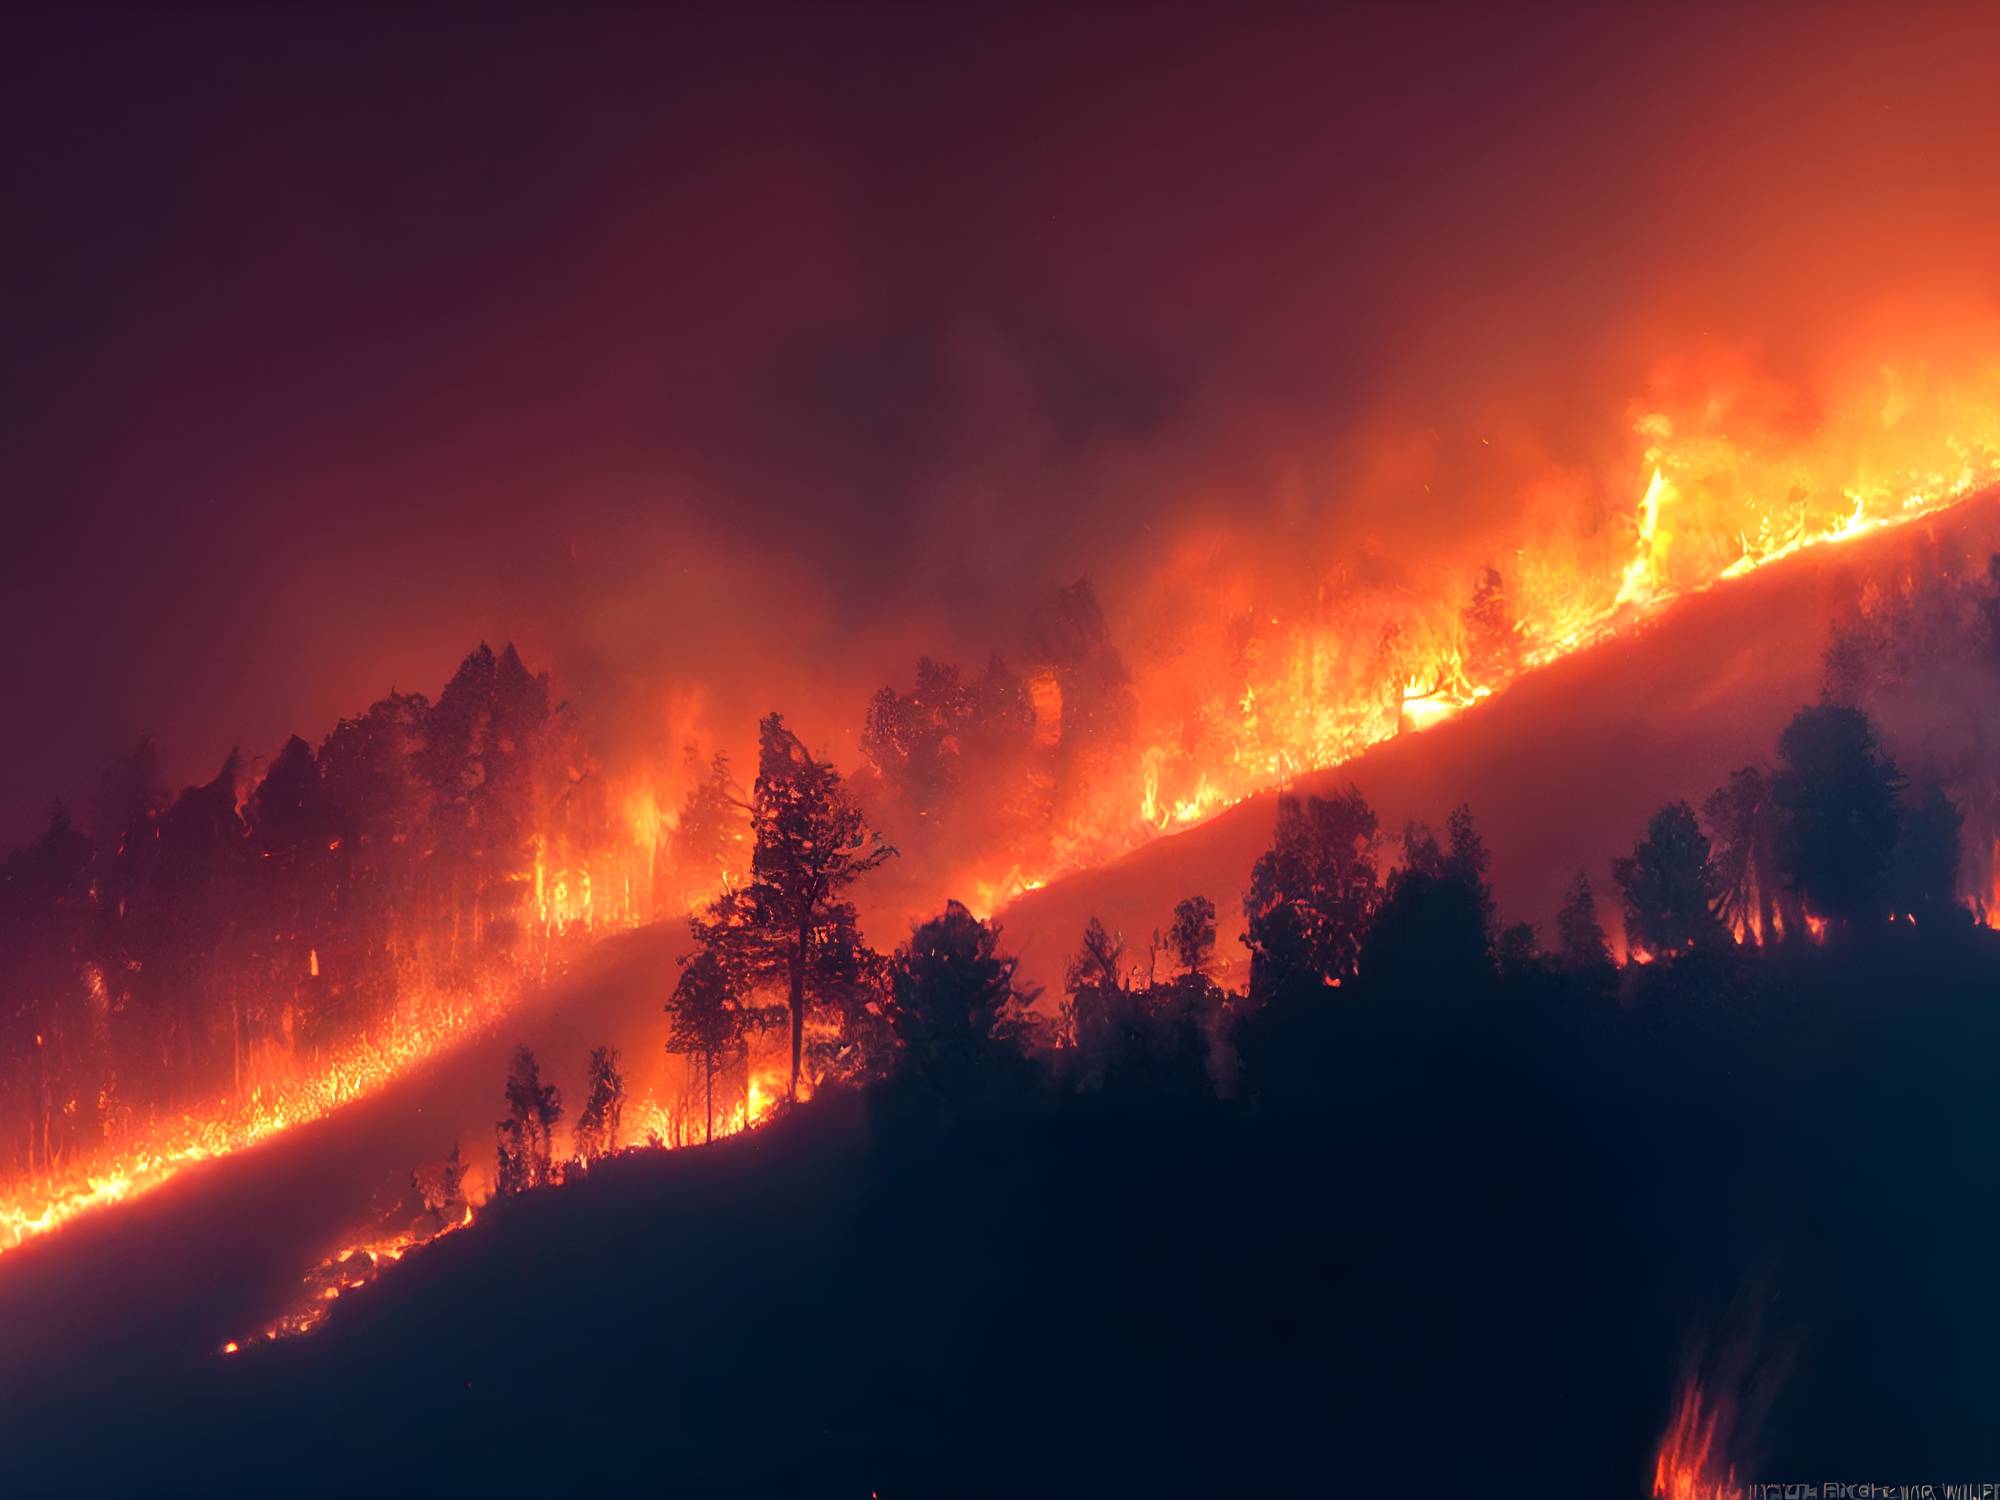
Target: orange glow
1689, 1465
423, 1028
1726, 480
358, 1263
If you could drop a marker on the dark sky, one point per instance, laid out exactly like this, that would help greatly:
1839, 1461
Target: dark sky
757, 350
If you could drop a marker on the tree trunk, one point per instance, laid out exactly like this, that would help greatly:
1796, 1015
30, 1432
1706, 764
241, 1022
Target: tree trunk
708, 1074
799, 1002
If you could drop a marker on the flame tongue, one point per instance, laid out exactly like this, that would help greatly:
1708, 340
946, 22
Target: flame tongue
1690, 1465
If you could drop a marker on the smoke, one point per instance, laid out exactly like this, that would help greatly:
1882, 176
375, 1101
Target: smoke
728, 362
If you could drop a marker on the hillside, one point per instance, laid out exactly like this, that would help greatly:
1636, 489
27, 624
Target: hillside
1478, 1261
1561, 770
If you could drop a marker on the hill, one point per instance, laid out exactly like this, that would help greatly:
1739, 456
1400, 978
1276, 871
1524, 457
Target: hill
1563, 768
1480, 1260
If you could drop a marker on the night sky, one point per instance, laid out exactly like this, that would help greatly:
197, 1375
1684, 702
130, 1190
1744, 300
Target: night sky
758, 351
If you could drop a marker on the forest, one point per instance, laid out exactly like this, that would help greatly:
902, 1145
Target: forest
1424, 1166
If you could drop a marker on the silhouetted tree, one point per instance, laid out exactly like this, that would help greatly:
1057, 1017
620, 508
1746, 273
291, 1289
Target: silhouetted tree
1518, 952
706, 1025
1191, 938
604, 1111
1430, 937
1102, 1014
1669, 885
1923, 873
1837, 816
1741, 821
811, 844
957, 1013
1312, 895
527, 1135
1581, 948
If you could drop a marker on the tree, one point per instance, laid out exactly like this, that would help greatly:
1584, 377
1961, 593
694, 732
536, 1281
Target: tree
45, 1022
1669, 886
439, 1188
913, 741
1836, 799
527, 1135
477, 762
1740, 819
1492, 649
707, 1024
1431, 936
1580, 945
1923, 875
709, 845
1312, 895
956, 1011
597, 1127
1191, 938
811, 844
1100, 1006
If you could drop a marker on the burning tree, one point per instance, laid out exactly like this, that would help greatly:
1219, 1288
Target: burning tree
597, 1127
708, 847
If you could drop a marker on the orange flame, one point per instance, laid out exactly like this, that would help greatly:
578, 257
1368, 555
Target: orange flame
1690, 1465
1725, 487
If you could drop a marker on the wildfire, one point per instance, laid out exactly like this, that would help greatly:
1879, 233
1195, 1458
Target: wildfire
347, 1268
358, 1263
1690, 1465
1728, 481
149, 1158
679, 1122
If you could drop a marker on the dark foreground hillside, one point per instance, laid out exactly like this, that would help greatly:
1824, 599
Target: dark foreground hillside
1476, 1264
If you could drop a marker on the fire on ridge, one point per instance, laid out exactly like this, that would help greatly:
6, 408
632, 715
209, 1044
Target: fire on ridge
598, 842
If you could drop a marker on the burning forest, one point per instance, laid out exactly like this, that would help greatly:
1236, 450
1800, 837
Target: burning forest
1200, 754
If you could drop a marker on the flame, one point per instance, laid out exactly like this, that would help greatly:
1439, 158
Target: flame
359, 1262
147, 1158
1728, 481
345, 1270
1690, 1465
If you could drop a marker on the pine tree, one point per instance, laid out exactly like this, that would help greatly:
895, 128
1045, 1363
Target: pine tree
791, 922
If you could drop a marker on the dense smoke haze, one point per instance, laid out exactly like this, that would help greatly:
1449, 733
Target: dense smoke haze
729, 361
719, 719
